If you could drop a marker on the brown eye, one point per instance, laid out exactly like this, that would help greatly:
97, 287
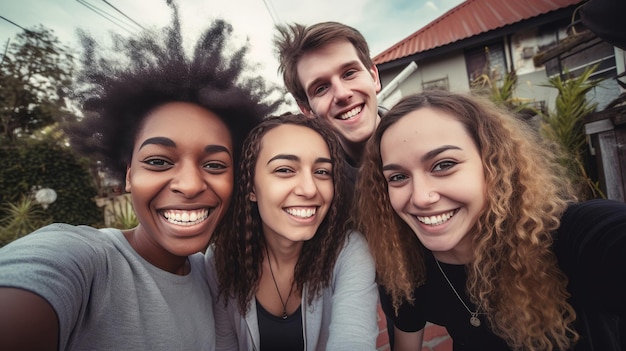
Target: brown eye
216, 167
320, 90
156, 162
444, 166
396, 178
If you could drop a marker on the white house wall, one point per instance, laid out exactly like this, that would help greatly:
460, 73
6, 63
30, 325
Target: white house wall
451, 67
520, 49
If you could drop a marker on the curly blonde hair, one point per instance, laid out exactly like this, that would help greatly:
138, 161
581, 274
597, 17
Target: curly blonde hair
240, 244
513, 274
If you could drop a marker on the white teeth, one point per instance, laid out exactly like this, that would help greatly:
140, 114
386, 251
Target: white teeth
181, 217
351, 113
302, 213
436, 220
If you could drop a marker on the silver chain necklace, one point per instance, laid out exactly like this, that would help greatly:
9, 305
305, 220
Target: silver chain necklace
474, 315
269, 262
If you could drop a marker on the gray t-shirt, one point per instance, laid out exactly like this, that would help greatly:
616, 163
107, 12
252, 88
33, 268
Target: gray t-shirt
106, 296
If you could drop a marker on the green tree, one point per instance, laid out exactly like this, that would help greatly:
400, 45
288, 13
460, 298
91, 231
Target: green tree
35, 79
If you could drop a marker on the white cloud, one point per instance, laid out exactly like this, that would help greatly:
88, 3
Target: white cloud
431, 5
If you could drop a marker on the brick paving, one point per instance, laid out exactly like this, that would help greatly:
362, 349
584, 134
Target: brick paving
436, 337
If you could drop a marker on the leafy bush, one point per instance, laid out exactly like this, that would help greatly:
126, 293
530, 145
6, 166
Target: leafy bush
45, 163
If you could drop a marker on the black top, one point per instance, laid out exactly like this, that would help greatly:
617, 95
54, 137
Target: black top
351, 166
590, 246
278, 334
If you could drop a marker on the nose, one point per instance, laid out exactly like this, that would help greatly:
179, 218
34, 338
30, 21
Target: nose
188, 181
341, 91
424, 192
306, 186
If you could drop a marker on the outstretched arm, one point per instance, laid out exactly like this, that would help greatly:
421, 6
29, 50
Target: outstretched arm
28, 322
407, 341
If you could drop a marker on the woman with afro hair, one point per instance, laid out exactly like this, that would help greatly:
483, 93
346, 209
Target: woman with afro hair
172, 126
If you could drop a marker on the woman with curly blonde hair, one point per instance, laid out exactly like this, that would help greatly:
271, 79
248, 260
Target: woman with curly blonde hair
287, 271
472, 226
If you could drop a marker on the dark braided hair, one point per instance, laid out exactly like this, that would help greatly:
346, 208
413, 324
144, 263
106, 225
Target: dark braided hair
240, 245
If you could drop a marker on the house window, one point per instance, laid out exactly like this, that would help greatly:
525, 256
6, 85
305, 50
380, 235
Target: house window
441, 84
486, 60
594, 51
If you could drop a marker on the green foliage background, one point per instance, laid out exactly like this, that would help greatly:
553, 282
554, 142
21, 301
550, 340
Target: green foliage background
45, 163
565, 126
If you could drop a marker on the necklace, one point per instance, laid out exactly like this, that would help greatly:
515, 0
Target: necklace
269, 262
474, 315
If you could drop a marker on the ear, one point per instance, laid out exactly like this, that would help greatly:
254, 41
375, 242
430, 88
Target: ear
128, 187
252, 196
306, 110
374, 72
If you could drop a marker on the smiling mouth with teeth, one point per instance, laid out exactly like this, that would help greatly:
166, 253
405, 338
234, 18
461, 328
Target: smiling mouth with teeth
347, 115
302, 213
183, 217
436, 220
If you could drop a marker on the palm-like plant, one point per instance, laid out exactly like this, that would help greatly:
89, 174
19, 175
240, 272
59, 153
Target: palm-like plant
499, 88
22, 217
123, 214
565, 126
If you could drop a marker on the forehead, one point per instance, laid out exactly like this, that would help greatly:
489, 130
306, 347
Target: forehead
323, 60
182, 120
293, 139
423, 130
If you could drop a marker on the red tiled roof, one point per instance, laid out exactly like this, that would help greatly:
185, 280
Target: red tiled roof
470, 18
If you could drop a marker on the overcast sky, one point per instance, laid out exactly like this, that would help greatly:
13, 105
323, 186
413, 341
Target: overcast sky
382, 22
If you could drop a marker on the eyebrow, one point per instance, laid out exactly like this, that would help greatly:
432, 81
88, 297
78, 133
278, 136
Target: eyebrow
433, 153
158, 141
297, 159
427, 156
167, 142
213, 149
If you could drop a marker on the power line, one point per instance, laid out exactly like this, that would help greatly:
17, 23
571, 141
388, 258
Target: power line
109, 17
123, 14
27, 31
13, 23
271, 11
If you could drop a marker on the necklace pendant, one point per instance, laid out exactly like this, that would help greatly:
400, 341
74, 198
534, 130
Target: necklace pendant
285, 315
474, 321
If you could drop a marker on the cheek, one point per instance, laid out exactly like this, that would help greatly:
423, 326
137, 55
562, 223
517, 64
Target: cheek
318, 105
223, 186
398, 198
328, 191
474, 188
140, 182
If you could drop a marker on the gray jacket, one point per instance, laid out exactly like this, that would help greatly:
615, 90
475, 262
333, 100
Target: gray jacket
342, 318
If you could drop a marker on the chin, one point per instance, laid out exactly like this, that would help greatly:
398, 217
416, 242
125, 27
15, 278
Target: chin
436, 245
301, 237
